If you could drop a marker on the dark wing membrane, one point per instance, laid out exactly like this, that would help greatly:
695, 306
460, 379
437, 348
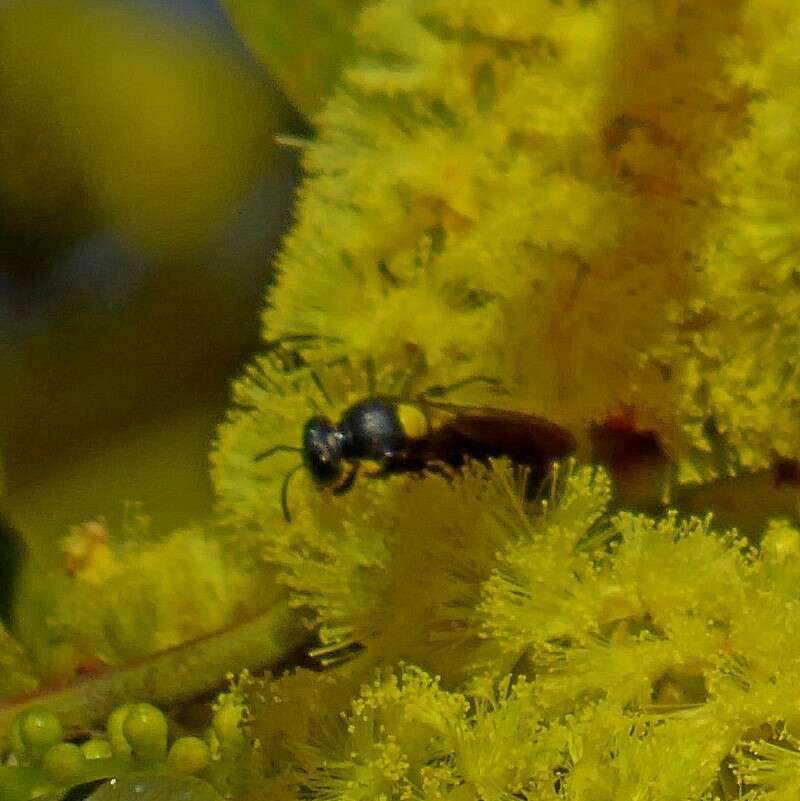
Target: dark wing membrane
479, 432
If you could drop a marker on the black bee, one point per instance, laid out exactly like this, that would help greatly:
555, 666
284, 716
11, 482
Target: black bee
382, 435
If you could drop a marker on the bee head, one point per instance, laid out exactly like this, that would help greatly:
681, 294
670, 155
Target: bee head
322, 450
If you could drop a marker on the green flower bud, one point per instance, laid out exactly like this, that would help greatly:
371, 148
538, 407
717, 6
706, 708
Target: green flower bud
145, 729
189, 755
33, 732
119, 745
96, 749
64, 763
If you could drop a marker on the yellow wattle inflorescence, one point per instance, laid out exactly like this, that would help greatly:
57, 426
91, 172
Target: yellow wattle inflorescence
593, 202
648, 658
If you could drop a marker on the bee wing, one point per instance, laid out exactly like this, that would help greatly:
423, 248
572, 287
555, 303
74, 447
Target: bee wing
481, 431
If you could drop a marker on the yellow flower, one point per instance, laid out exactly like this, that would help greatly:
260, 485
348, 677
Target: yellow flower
593, 202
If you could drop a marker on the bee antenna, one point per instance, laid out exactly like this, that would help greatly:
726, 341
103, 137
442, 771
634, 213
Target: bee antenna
285, 492
276, 449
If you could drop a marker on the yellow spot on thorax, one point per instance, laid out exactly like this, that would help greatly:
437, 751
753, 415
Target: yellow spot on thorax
412, 421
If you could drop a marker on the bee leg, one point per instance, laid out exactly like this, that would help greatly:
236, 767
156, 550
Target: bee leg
441, 468
345, 484
287, 348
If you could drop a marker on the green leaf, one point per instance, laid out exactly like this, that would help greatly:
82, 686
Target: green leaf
304, 45
155, 787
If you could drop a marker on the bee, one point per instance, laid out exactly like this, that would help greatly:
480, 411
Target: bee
380, 436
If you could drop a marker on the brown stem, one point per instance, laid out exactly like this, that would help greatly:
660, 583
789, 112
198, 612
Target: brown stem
172, 676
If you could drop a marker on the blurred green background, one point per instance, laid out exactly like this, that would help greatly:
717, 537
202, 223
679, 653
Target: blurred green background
141, 200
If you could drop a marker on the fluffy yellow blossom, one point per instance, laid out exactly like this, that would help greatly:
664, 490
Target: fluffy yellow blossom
650, 658
738, 344
87, 554
121, 598
593, 202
